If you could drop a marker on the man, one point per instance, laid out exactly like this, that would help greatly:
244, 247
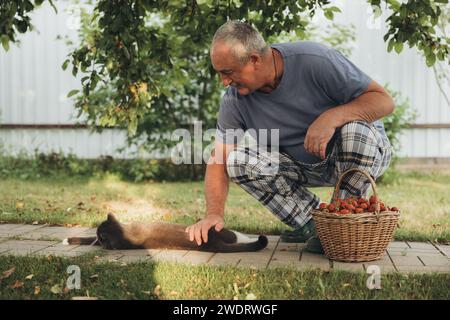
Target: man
327, 112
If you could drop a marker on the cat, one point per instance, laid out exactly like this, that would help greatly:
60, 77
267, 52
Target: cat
111, 234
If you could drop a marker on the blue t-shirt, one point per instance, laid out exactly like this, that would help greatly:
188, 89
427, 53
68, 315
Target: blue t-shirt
315, 79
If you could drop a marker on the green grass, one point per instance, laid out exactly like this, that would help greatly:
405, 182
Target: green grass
156, 281
422, 197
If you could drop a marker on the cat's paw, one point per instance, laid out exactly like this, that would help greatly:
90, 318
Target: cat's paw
65, 242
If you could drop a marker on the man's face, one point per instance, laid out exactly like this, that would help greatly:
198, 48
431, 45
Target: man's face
242, 76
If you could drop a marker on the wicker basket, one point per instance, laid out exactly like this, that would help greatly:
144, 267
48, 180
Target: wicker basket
355, 237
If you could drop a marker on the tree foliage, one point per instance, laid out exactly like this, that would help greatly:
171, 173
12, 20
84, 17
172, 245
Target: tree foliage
144, 64
415, 23
15, 17
147, 64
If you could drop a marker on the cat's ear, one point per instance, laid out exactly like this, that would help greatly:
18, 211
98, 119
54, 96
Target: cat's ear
112, 217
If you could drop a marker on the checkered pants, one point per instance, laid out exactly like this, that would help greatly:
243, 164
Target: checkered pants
280, 182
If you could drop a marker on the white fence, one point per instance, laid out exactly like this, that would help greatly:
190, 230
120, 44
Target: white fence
33, 88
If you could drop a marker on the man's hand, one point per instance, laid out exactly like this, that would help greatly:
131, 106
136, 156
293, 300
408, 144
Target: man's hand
199, 231
318, 135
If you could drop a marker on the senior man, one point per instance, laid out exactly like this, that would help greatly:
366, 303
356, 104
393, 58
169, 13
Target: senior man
327, 115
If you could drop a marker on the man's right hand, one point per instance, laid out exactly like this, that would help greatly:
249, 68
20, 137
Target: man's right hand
199, 231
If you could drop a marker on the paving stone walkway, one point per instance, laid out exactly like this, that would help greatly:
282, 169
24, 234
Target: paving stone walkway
400, 256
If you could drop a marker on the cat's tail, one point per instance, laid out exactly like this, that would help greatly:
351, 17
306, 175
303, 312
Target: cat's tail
81, 240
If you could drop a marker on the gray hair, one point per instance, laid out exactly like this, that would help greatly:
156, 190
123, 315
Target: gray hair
242, 38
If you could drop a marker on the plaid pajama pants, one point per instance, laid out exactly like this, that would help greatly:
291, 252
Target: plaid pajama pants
280, 182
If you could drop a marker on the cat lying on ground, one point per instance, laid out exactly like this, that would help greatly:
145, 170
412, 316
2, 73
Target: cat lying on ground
111, 234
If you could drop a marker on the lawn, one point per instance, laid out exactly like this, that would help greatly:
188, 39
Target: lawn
45, 278
423, 198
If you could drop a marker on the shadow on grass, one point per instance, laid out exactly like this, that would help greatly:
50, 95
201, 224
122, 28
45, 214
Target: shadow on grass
46, 278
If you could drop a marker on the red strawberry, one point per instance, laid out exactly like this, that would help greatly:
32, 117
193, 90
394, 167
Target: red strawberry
322, 206
344, 211
359, 210
331, 207
373, 200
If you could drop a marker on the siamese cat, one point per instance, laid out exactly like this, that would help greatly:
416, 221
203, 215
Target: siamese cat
111, 234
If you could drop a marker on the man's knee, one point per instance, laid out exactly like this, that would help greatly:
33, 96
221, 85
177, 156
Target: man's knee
354, 128
355, 135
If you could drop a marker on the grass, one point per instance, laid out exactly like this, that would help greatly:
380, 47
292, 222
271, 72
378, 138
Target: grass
45, 278
423, 199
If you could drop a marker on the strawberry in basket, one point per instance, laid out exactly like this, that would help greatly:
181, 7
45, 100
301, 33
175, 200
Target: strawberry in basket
354, 205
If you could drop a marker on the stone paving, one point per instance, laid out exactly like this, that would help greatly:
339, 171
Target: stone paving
400, 256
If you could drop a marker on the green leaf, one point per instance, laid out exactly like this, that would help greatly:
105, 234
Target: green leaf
5, 42
132, 126
74, 71
434, 21
329, 15
423, 20
391, 45
72, 93
403, 12
334, 9
21, 26
27, 5
431, 59
394, 4
398, 47
300, 33
65, 64
94, 80
112, 122
103, 121
165, 91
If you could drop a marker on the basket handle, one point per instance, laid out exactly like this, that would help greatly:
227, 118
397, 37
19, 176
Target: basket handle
372, 182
